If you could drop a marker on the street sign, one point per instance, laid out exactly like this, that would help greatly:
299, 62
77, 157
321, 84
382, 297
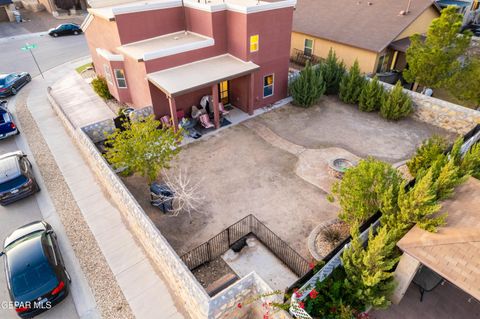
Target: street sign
29, 47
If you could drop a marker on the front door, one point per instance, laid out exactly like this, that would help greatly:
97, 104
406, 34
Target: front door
223, 88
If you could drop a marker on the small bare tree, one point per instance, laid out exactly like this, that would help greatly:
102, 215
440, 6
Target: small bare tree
187, 195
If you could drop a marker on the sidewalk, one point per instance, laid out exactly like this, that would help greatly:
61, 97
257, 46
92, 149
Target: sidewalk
144, 290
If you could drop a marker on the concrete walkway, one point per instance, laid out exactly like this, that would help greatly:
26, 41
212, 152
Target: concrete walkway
81, 104
145, 291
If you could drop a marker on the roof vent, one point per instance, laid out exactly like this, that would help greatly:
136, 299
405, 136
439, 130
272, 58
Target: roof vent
370, 3
402, 13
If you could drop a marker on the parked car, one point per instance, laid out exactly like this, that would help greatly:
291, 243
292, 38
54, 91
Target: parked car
16, 178
65, 29
7, 126
11, 83
34, 268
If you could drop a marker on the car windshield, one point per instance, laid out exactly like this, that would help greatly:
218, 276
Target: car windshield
13, 183
35, 276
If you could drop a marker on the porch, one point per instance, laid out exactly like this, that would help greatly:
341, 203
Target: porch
210, 85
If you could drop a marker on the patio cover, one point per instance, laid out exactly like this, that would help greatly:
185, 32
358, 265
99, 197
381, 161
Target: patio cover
403, 44
452, 252
192, 76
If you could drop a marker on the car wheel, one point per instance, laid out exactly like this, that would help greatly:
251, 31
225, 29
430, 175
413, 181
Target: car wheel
14, 91
75, 32
28, 78
18, 132
55, 35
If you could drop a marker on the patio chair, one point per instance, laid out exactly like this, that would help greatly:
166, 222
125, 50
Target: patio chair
166, 121
205, 121
222, 109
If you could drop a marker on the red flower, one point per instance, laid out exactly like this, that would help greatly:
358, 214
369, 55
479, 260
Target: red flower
301, 304
313, 294
311, 265
297, 293
265, 316
239, 305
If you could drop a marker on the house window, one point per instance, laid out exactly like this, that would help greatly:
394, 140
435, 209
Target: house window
268, 85
254, 43
108, 73
383, 63
120, 76
308, 47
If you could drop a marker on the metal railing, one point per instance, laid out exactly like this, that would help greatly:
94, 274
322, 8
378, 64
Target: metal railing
299, 57
247, 226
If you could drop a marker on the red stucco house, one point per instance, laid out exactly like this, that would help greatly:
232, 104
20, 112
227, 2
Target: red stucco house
171, 53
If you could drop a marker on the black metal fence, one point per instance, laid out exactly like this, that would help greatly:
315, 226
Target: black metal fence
249, 225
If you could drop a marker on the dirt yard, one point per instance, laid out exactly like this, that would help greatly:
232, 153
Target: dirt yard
243, 174
332, 123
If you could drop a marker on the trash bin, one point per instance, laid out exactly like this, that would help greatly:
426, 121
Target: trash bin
18, 17
161, 196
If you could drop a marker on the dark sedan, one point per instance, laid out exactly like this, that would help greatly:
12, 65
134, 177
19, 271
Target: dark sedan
65, 29
16, 178
11, 83
35, 271
7, 126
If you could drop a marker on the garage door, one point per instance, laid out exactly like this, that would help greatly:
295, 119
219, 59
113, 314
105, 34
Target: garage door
3, 15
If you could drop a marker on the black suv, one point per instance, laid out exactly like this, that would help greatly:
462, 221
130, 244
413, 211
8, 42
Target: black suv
16, 178
34, 268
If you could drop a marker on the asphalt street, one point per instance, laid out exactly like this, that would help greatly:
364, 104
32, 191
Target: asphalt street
16, 215
49, 52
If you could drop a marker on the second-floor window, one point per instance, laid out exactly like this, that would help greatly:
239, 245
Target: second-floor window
108, 73
254, 43
308, 47
120, 76
268, 85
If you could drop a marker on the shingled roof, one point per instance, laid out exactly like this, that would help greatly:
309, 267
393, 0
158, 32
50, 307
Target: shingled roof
366, 24
452, 252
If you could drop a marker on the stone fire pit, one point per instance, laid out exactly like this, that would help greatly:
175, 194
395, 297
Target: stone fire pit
338, 167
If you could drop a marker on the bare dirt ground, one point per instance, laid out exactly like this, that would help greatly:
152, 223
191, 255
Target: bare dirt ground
332, 123
242, 174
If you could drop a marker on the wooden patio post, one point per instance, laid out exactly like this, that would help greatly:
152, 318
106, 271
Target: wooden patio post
216, 111
173, 112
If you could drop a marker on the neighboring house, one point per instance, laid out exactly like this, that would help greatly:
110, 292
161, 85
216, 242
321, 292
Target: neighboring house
376, 32
451, 253
171, 53
467, 8
6, 11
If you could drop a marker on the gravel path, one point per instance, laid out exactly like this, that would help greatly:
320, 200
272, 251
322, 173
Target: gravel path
109, 298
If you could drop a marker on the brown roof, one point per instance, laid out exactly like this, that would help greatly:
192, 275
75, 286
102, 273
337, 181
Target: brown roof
452, 252
355, 22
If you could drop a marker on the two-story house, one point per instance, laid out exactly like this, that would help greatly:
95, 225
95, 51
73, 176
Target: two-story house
171, 53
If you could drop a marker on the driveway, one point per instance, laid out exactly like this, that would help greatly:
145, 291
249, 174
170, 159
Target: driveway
23, 212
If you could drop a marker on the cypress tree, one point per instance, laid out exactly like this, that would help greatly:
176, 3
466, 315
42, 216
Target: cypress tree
371, 97
332, 72
396, 104
351, 85
308, 88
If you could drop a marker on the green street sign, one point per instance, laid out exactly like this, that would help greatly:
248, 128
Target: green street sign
29, 47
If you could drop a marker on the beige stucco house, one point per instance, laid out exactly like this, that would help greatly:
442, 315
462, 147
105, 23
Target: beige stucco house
376, 32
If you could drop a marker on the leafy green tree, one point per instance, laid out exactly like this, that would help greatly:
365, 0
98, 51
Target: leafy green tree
100, 87
332, 71
396, 104
361, 190
464, 84
430, 150
143, 147
372, 96
308, 88
433, 61
369, 270
351, 85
